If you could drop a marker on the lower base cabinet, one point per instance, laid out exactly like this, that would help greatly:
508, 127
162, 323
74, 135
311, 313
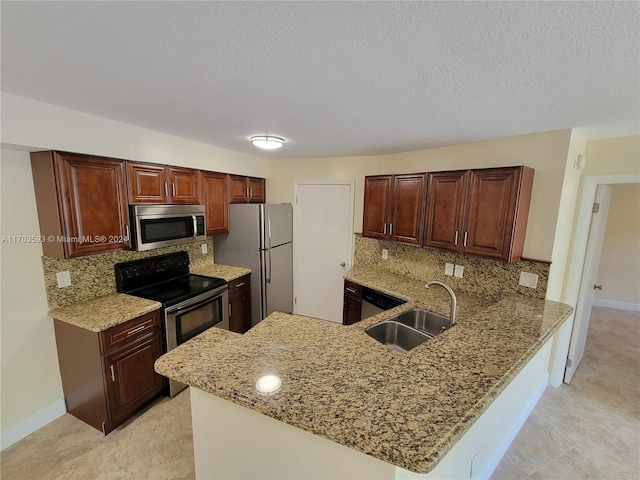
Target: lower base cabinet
240, 304
107, 377
352, 303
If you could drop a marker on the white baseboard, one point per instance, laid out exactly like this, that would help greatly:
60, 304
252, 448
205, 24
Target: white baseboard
601, 302
502, 448
34, 422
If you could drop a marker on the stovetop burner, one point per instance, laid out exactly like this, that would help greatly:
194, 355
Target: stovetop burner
164, 278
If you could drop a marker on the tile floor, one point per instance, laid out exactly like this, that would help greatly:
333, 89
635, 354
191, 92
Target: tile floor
587, 430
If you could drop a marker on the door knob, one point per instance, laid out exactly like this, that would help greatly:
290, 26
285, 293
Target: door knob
343, 264
597, 287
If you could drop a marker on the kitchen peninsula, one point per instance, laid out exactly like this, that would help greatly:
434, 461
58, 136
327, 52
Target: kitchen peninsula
442, 410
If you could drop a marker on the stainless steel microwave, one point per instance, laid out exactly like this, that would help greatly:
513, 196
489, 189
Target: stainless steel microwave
156, 226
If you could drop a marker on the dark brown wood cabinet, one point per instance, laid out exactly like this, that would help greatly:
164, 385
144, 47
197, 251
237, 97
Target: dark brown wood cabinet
149, 183
394, 207
246, 189
214, 195
240, 304
109, 376
352, 303
480, 212
81, 202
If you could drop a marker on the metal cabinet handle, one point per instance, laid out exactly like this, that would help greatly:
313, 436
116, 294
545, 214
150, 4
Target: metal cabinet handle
465, 239
166, 189
239, 285
173, 189
391, 229
113, 375
229, 309
127, 230
455, 242
247, 192
136, 330
385, 228
251, 192
351, 290
597, 287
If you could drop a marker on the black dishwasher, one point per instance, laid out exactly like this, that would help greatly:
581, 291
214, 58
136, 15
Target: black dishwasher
374, 302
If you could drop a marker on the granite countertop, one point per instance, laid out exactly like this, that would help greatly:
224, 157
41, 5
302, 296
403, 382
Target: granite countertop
337, 382
228, 273
104, 312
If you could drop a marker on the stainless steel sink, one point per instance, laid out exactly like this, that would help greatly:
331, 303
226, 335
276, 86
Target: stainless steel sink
423, 320
397, 336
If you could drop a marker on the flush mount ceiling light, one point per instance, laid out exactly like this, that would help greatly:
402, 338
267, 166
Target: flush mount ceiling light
267, 142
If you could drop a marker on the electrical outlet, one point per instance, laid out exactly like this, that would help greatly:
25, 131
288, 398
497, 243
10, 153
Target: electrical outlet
528, 279
448, 269
385, 254
458, 271
64, 279
204, 248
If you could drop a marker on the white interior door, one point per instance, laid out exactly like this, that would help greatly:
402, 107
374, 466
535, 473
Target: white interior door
322, 246
589, 273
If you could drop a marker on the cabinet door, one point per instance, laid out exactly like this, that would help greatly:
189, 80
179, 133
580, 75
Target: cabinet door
352, 311
408, 208
491, 211
238, 190
147, 183
377, 202
240, 310
130, 378
445, 210
214, 195
256, 190
183, 185
94, 204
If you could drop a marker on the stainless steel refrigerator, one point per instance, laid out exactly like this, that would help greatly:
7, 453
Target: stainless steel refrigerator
260, 238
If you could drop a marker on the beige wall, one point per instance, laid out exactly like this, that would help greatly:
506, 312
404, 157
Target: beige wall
545, 152
608, 156
41, 126
619, 270
30, 374
283, 173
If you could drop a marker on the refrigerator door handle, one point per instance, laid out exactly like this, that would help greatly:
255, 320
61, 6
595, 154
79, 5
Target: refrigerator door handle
268, 279
269, 230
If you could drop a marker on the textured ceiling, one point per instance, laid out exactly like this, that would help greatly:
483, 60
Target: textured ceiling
332, 78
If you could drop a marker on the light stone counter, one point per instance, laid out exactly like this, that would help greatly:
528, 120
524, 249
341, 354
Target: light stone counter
104, 312
226, 272
338, 383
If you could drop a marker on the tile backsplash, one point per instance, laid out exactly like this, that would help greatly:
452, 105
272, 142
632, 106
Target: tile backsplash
93, 275
481, 277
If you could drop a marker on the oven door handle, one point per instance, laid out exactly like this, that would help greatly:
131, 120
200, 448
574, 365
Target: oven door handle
195, 302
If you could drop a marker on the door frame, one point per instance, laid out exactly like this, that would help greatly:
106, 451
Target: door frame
296, 185
581, 238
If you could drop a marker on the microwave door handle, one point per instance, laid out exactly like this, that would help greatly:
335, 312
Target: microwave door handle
195, 225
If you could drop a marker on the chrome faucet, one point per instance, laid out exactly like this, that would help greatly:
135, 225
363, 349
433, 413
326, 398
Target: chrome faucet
454, 302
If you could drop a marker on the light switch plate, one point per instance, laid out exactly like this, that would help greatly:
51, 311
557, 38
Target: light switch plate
64, 279
385, 253
458, 271
204, 248
448, 269
528, 279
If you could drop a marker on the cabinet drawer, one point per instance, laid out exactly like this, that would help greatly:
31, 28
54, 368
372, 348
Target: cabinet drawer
242, 282
352, 290
116, 337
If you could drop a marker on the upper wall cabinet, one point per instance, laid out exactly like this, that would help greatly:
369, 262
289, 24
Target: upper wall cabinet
82, 203
394, 207
214, 195
479, 212
246, 189
150, 183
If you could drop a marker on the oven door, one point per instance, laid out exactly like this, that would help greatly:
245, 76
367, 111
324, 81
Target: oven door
192, 317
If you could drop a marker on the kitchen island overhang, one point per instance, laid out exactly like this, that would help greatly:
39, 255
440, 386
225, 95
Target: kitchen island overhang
407, 410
